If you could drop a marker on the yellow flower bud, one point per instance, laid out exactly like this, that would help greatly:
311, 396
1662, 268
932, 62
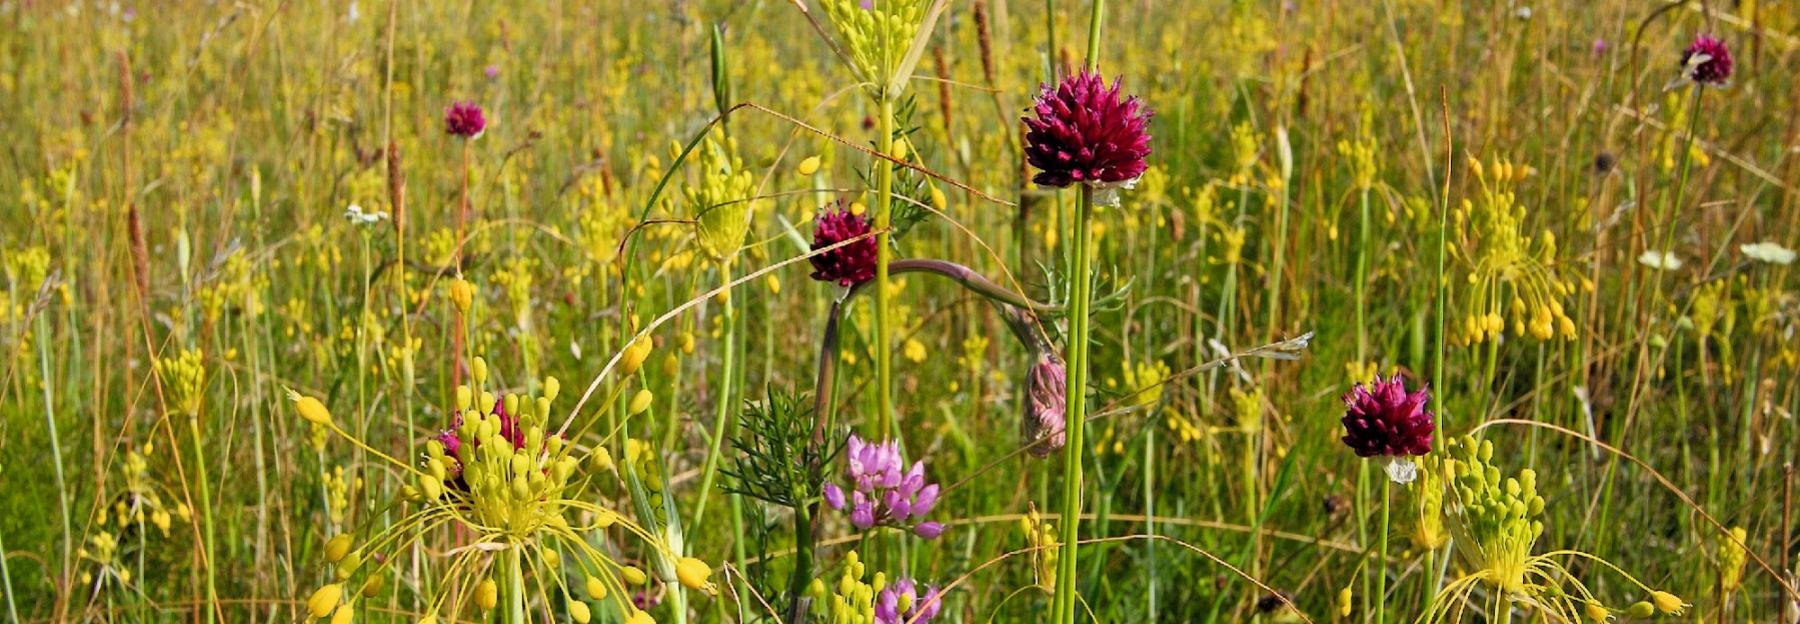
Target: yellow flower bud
596, 589
1640, 610
808, 166
487, 594
641, 401
634, 355
601, 460
578, 611
324, 600
373, 585
693, 573
633, 575
344, 615
1596, 612
337, 548
1667, 603
310, 408
462, 294
641, 617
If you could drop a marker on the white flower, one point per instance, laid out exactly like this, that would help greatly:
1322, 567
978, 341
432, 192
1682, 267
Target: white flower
355, 215
1660, 260
1401, 470
1768, 251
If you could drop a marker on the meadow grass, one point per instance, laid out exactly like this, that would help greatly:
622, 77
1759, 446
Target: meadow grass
1536, 211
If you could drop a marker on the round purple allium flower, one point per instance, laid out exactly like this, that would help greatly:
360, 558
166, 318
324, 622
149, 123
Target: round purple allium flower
900, 603
881, 492
491, 71
1045, 388
1382, 419
1082, 131
848, 265
453, 444
1714, 68
464, 119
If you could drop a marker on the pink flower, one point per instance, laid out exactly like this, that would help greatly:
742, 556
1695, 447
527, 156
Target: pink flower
1045, 386
1082, 131
464, 119
880, 493
1382, 419
1714, 68
850, 264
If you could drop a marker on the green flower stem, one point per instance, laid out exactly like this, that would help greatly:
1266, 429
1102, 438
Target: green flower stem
884, 218
723, 411
1361, 285
1387, 485
206, 519
1076, 406
513, 575
62, 489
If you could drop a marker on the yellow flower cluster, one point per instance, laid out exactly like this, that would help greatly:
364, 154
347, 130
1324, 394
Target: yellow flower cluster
876, 34
721, 203
1504, 266
1041, 537
183, 376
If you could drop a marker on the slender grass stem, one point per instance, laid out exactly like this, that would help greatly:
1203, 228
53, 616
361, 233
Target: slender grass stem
206, 519
1382, 558
722, 409
56, 459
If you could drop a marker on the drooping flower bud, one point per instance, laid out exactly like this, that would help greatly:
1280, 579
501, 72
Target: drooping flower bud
1046, 385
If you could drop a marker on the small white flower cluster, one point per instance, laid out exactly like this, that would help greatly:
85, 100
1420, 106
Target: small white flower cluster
1660, 260
355, 215
1768, 251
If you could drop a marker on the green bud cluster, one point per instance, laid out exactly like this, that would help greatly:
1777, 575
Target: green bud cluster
721, 201
1495, 521
877, 38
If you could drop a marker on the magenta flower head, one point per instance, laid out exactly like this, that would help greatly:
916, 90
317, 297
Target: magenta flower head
453, 444
1706, 61
1045, 385
464, 119
1382, 419
882, 491
1083, 132
901, 603
847, 265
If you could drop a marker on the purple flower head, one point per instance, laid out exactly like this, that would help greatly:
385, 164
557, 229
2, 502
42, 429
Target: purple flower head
1599, 46
1707, 61
1045, 387
491, 71
848, 265
1082, 131
464, 119
901, 603
881, 493
1382, 419
453, 444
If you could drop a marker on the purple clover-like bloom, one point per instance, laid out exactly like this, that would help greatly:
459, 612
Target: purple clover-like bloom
901, 603
464, 119
848, 265
881, 493
491, 71
1082, 131
1382, 419
1045, 387
1715, 68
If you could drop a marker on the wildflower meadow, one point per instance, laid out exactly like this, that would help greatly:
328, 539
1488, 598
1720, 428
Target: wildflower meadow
899, 311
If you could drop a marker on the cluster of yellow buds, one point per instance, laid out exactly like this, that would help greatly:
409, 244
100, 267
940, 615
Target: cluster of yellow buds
1143, 384
877, 35
1361, 152
723, 200
1506, 265
1427, 532
1041, 537
183, 376
1496, 522
102, 550
502, 474
853, 600
140, 494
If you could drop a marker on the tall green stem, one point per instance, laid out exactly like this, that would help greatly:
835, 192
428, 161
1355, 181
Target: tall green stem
511, 567
1361, 285
884, 219
1076, 405
62, 489
1387, 485
206, 518
723, 411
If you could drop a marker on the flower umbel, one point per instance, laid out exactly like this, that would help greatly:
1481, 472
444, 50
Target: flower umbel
1382, 419
1082, 131
1706, 61
464, 120
881, 493
850, 264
